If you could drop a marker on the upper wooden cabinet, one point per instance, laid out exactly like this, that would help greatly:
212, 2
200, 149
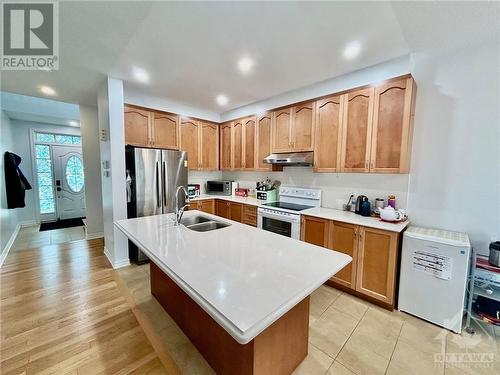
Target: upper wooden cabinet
145, 128
392, 127
201, 141
328, 134
357, 128
293, 128
263, 143
226, 153
237, 141
249, 142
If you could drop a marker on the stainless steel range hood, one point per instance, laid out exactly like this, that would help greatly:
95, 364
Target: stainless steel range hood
304, 159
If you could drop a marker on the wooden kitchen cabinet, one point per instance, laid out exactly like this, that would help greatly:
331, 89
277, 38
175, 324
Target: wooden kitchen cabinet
205, 205
263, 143
235, 211
249, 142
137, 126
165, 130
357, 129
328, 139
344, 239
377, 260
226, 154
223, 208
201, 141
293, 129
392, 126
281, 130
315, 230
237, 143
249, 215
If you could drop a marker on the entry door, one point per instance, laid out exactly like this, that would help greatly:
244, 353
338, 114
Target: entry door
69, 181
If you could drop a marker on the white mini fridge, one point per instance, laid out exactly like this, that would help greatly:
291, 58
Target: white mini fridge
433, 277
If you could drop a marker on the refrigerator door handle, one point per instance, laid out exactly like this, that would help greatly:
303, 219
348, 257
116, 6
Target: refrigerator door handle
158, 198
163, 183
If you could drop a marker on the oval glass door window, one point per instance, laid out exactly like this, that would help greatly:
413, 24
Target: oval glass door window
74, 173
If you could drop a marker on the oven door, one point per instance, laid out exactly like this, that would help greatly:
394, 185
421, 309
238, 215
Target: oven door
286, 225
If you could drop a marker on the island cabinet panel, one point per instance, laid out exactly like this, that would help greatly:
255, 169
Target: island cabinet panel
357, 129
249, 143
344, 239
282, 130
165, 130
315, 230
328, 134
223, 208
392, 127
209, 154
377, 260
226, 151
137, 124
302, 127
190, 141
249, 215
263, 144
277, 350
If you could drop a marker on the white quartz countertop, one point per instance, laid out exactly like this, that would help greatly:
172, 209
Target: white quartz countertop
231, 198
245, 278
352, 218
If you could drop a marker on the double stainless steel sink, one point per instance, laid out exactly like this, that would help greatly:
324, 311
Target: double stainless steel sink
202, 223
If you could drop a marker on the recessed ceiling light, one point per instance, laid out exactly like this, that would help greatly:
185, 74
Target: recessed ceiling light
47, 90
140, 75
245, 65
222, 99
352, 50
73, 123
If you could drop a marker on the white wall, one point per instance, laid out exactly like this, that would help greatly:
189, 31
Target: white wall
89, 127
114, 200
22, 147
133, 97
9, 222
455, 170
370, 75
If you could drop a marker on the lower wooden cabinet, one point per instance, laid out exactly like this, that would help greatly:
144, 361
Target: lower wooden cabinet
205, 205
249, 215
223, 208
240, 212
374, 253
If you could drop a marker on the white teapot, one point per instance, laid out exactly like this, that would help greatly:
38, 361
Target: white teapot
390, 214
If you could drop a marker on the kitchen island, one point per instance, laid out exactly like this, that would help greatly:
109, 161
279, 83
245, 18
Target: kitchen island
239, 293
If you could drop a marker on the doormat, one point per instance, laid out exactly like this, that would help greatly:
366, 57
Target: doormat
60, 224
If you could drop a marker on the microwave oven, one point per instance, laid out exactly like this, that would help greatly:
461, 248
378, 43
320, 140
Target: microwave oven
219, 187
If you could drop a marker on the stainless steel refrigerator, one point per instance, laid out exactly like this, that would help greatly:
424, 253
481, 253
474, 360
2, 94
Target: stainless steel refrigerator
152, 178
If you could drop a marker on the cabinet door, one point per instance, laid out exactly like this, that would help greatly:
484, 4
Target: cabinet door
236, 211
392, 118
302, 127
249, 143
165, 128
376, 268
190, 141
315, 230
344, 239
281, 130
225, 147
263, 141
328, 134
358, 113
137, 124
209, 146
237, 144
207, 205
222, 208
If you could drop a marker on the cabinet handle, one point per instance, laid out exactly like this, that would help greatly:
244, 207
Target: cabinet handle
366, 164
372, 163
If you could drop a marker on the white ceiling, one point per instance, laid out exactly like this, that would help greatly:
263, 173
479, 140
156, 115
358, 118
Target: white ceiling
191, 49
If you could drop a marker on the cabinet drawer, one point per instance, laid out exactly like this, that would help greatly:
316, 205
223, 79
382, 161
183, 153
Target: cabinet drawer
249, 215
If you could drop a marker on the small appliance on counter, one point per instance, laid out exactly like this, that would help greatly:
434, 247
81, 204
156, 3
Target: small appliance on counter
219, 187
391, 215
379, 204
241, 192
359, 201
194, 190
494, 257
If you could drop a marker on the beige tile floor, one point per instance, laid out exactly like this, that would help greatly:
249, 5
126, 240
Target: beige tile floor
29, 237
347, 336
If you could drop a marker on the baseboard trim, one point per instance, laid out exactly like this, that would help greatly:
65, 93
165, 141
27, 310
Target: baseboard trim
29, 223
8, 245
93, 236
116, 264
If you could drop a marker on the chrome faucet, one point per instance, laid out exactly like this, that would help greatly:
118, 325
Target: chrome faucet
180, 211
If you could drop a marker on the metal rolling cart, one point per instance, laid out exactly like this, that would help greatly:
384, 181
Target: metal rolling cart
480, 287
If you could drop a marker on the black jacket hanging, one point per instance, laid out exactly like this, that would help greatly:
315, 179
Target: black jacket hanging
15, 182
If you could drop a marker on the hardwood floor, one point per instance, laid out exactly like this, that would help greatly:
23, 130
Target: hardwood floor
62, 311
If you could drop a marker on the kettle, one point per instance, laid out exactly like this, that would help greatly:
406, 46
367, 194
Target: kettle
359, 201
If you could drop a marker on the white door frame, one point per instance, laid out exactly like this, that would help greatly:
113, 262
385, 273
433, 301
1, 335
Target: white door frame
33, 142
